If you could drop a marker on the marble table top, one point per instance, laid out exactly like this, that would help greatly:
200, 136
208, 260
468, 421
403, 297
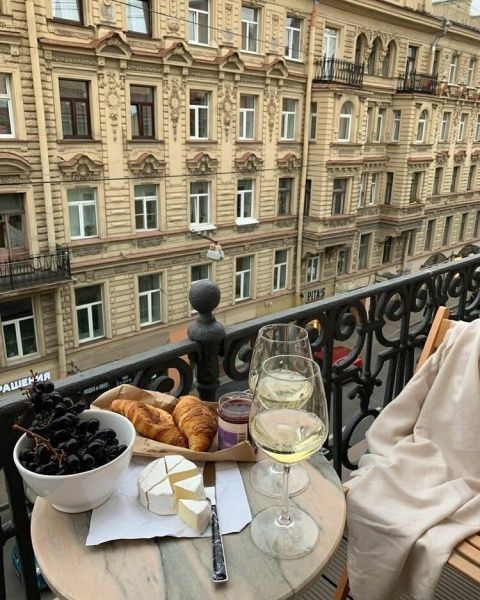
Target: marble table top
180, 569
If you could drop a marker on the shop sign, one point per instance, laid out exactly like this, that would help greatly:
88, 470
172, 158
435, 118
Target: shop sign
18, 384
316, 294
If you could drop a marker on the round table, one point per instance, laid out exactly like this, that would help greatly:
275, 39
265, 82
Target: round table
180, 569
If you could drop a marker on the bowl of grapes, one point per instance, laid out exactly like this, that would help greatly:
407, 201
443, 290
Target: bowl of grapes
71, 456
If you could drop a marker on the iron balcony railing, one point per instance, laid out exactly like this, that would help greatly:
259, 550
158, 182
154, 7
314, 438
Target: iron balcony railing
27, 272
417, 83
332, 70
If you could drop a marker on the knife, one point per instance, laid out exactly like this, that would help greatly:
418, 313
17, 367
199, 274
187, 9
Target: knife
218, 554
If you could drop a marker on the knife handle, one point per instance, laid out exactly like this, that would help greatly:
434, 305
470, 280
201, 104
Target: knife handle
218, 554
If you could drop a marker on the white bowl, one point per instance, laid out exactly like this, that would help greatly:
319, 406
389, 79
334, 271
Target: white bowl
82, 491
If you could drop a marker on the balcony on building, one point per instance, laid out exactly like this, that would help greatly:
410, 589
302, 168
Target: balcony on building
334, 70
23, 271
417, 83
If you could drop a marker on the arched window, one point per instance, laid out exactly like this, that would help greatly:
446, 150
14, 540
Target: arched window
373, 57
345, 122
422, 126
388, 64
360, 49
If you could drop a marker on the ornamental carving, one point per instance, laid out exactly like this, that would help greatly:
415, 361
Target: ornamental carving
227, 102
442, 157
277, 68
81, 168
202, 164
248, 163
460, 156
112, 85
276, 42
177, 54
173, 8
108, 12
13, 168
176, 90
228, 34
231, 62
289, 163
112, 45
272, 99
475, 156
147, 165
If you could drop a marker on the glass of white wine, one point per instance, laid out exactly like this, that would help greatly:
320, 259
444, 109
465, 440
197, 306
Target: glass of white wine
289, 422
279, 338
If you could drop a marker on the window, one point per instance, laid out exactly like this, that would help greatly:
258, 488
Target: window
472, 177
82, 213
18, 326
422, 126
372, 199
289, 109
141, 111
445, 128
388, 60
330, 42
199, 273
338, 196
243, 278
379, 125
342, 261
389, 187
362, 192
477, 129
437, 181
471, 72
411, 243
285, 187
363, 250
368, 129
199, 115
7, 127
293, 35
75, 108
199, 203
476, 229
313, 121
462, 127
198, 18
149, 299
313, 269
452, 71
397, 114
387, 250
146, 201
411, 62
89, 307
446, 230
345, 122
429, 234
245, 196
308, 197
249, 29
247, 118
67, 11
280, 270
12, 219
436, 62
416, 186
455, 179
138, 17
373, 57
463, 227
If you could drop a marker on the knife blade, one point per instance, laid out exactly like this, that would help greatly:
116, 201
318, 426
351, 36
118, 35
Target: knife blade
218, 555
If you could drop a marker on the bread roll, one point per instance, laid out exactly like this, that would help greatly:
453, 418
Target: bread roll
150, 421
196, 422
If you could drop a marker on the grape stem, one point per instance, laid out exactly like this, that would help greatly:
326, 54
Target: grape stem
58, 455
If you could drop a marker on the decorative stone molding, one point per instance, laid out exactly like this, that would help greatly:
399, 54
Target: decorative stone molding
108, 12
475, 156
277, 68
13, 168
147, 165
177, 54
248, 163
175, 88
460, 156
419, 161
81, 167
227, 94
112, 46
202, 164
112, 84
272, 100
442, 156
289, 163
230, 62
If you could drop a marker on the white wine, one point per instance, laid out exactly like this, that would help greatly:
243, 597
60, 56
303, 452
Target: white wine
288, 435
282, 388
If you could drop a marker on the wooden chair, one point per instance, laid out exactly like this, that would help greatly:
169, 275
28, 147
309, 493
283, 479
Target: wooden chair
465, 557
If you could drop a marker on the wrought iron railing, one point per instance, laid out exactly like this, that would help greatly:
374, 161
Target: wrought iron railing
332, 70
417, 83
33, 270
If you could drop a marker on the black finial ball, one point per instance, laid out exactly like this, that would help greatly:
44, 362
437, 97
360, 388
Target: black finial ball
204, 296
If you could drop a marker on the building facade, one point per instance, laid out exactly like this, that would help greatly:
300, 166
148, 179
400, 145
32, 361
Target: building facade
322, 146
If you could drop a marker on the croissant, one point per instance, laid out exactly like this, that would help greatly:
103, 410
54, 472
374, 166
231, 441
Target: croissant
196, 422
150, 421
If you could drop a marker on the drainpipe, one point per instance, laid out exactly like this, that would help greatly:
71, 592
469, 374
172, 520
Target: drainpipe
446, 26
306, 143
62, 359
41, 123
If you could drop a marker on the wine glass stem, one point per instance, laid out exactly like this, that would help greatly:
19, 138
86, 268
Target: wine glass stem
284, 518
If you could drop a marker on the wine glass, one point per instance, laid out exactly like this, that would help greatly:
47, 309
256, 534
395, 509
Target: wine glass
280, 338
289, 422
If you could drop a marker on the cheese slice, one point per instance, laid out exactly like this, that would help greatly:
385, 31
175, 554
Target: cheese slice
183, 469
161, 499
189, 489
153, 474
195, 514
172, 460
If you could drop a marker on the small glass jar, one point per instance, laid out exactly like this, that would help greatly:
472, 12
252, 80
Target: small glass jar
233, 413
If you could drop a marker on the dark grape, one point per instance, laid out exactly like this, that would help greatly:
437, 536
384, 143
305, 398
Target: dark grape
60, 436
26, 454
96, 447
61, 423
68, 402
72, 418
48, 404
56, 397
49, 468
60, 409
78, 408
121, 449
49, 387
39, 387
82, 427
43, 453
93, 425
73, 463
88, 461
71, 446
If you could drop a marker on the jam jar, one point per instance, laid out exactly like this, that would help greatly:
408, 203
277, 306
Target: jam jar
233, 413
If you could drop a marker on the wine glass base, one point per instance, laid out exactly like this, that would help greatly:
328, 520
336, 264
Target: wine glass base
268, 480
285, 542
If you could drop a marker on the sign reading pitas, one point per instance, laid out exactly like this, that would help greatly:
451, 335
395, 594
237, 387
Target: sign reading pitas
18, 384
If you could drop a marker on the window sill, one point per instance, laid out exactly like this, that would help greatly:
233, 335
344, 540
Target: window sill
294, 60
146, 326
248, 141
20, 360
73, 24
91, 341
246, 221
198, 228
243, 300
145, 141
288, 141
78, 141
79, 241
201, 141
139, 34
252, 53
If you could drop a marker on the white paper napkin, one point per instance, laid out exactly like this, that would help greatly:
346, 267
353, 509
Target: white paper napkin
123, 517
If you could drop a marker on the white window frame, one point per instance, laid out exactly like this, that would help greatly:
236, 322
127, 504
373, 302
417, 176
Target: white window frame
130, 6
192, 280
477, 129
445, 127
462, 125
80, 205
280, 269
452, 69
422, 126
243, 218
245, 115
372, 197
396, 120
292, 51
288, 119
471, 72
313, 269
196, 198
245, 277
313, 121
144, 201
88, 307
249, 26
362, 189
8, 97
345, 122
148, 294
379, 125
335, 193
193, 22
18, 336
55, 5
195, 109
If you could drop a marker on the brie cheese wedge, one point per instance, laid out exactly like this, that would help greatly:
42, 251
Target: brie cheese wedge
189, 489
153, 474
161, 499
182, 469
195, 514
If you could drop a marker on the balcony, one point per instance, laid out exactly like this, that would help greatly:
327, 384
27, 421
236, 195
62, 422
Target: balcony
417, 83
22, 273
333, 70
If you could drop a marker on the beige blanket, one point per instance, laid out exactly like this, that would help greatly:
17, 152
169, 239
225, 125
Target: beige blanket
417, 493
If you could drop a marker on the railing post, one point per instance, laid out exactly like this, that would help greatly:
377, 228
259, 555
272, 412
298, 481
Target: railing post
209, 334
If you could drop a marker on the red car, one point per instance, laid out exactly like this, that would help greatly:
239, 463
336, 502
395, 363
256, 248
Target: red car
339, 352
